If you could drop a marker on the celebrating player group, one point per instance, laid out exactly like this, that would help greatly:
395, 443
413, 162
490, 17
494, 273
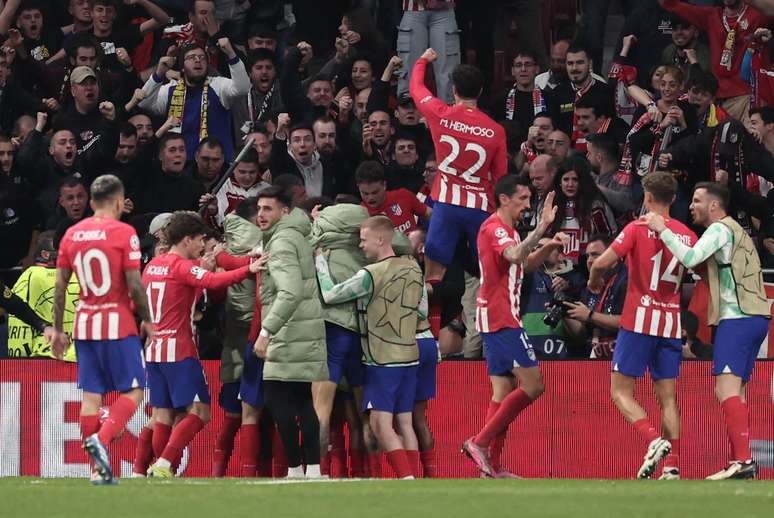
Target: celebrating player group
375, 312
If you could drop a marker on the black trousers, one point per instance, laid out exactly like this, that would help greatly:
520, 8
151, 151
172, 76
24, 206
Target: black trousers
290, 404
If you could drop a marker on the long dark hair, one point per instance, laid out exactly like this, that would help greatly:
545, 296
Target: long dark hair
371, 40
588, 192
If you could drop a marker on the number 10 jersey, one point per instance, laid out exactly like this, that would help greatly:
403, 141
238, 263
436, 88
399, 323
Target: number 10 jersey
652, 304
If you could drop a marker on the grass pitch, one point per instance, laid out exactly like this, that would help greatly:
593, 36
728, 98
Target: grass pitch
207, 498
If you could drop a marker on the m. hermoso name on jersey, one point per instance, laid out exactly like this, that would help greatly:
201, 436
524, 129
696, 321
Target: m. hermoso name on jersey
461, 127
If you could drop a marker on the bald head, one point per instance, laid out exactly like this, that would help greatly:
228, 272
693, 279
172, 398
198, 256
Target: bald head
541, 173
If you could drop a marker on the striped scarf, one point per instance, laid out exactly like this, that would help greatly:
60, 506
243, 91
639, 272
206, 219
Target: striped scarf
538, 103
177, 106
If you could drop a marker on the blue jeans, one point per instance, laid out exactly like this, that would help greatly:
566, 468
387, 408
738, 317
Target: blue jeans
420, 30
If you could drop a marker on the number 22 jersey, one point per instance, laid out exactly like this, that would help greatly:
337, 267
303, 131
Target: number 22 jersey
652, 304
100, 251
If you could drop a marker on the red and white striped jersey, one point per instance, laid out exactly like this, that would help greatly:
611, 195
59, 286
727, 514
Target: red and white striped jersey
652, 304
499, 297
173, 285
100, 251
232, 194
469, 146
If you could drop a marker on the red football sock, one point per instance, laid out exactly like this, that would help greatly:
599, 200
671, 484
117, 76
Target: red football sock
143, 454
224, 445
491, 410
375, 465
248, 452
510, 407
399, 462
673, 459
413, 460
89, 425
182, 434
645, 429
161, 433
325, 464
338, 453
496, 450
120, 413
428, 463
280, 461
738, 428
357, 463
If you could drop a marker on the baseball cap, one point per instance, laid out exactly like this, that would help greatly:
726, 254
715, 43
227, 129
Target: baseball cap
406, 100
159, 222
79, 74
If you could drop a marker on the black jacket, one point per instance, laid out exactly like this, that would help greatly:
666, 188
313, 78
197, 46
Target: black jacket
167, 193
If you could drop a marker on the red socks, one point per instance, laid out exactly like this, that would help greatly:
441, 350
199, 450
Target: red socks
375, 465
338, 452
248, 453
738, 427
645, 429
161, 433
120, 413
357, 463
510, 407
496, 450
143, 455
224, 445
182, 434
399, 462
413, 460
673, 459
89, 425
428, 463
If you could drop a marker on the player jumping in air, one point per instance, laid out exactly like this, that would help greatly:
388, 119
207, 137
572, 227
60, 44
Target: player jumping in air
503, 258
738, 307
650, 332
173, 283
105, 255
472, 155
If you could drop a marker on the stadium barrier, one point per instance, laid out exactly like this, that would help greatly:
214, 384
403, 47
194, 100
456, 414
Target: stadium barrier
573, 431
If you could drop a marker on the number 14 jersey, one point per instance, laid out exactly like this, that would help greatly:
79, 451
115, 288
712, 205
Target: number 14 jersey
652, 304
100, 251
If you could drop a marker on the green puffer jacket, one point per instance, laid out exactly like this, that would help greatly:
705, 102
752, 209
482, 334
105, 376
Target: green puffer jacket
241, 237
337, 229
291, 311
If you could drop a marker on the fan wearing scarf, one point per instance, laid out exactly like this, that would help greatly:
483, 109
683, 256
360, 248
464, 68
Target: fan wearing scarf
201, 103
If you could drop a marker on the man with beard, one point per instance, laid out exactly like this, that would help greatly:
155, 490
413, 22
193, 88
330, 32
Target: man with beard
377, 137
209, 163
331, 155
557, 72
304, 104
730, 30
686, 49
144, 126
536, 143
73, 203
558, 145
169, 189
264, 96
262, 143
202, 103
301, 159
88, 118
591, 118
561, 100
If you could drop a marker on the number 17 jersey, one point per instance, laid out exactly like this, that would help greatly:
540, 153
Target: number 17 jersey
100, 251
652, 304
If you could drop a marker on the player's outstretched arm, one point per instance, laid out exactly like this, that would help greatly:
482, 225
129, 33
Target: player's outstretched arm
358, 286
713, 239
517, 254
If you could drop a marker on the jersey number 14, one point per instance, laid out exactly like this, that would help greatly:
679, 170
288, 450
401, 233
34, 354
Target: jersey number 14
669, 275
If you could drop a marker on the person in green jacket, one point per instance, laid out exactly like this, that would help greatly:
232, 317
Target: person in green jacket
292, 336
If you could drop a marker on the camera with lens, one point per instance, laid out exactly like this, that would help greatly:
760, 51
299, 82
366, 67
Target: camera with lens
556, 309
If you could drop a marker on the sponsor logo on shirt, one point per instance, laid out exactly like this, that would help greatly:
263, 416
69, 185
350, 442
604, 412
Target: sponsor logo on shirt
646, 300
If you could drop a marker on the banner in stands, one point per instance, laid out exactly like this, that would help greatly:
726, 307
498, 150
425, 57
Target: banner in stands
573, 431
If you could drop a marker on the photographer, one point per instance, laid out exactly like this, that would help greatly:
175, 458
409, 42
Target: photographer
596, 317
545, 292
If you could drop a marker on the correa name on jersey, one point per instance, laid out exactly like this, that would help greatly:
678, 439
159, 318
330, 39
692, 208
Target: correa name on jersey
89, 235
461, 127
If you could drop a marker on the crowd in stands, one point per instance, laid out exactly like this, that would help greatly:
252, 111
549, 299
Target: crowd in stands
314, 97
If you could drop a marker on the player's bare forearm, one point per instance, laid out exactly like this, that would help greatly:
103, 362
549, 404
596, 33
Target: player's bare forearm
137, 294
538, 257
60, 289
518, 254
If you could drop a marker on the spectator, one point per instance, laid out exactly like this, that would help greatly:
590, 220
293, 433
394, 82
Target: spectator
264, 96
541, 176
604, 156
326, 141
582, 210
169, 189
245, 182
401, 206
702, 88
686, 49
542, 126
358, 29
209, 162
558, 145
20, 221
591, 118
651, 27
523, 101
293, 185
377, 137
561, 100
557, 73
263, 146
16, 99
431, 170
596, 317
305, 103
730, 30
42, 39
144, 126
424, 26
262, 37
693, 347
406, 171
73, 203
201, 104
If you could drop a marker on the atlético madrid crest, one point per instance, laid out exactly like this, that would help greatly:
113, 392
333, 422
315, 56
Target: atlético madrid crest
396, 210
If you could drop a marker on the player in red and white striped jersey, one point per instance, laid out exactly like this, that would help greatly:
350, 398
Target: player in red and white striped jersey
650, 333
503, 258
173, 282
105, 256
471, 152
